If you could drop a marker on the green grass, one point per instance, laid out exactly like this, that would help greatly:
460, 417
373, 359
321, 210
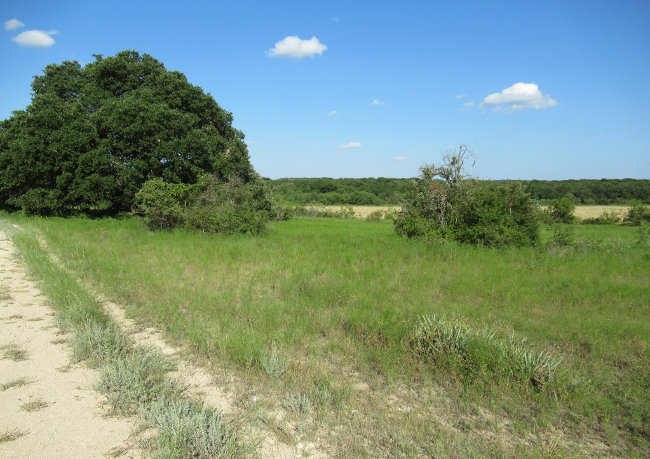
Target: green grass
134, 379
339, 300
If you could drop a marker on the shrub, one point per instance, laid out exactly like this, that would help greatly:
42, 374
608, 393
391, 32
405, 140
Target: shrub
211, 205
561, 210
187, 429
229, 207
606, 218
39, 201
494, 214
469, 211
637, 214
563, 236
164, 204
375, 216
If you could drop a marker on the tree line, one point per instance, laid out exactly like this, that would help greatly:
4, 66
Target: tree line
394, 191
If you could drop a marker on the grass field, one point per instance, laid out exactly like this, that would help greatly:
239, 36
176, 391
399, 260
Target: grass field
317, 320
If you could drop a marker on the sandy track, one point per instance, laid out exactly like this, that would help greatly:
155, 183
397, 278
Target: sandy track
71, 421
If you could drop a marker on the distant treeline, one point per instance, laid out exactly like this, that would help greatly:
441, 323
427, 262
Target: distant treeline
386, 191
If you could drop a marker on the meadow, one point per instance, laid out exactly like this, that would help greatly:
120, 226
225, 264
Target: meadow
318, 321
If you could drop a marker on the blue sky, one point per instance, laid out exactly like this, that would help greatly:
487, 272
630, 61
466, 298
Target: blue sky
545, 90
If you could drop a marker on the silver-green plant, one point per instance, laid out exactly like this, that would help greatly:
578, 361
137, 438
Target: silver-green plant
297, 403
272, 363
434, 338
187, 429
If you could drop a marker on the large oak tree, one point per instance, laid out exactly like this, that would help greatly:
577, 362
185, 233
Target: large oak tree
93, 135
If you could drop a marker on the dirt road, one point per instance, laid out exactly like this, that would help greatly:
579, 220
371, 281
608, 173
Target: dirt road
48, 408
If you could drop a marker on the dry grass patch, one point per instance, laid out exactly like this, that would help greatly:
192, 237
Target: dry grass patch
4, 294
580, 211
14, 352
34, 405
11, 435
18, 382
360, 211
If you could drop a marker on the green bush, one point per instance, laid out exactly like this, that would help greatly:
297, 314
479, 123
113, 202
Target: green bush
495, 215
211, 205
469, 211
561, 210
164, 204
375, 216
637, 214
606, 218
39, 201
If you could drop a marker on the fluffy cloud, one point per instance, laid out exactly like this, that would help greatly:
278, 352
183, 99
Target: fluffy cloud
518, 97
349, 145
296, 48
333, 112
400, 158
35, 38
13, 24
377, 102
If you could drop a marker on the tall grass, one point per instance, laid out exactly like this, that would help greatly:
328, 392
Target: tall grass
350, 294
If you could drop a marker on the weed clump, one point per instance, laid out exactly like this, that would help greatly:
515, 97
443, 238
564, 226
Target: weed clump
297, 403
137, 378
272, 362
476, 352
99, 343
187, 429
13, 351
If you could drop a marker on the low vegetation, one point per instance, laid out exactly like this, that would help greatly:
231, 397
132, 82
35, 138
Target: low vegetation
34, 405
134, 379
18, 382
13, 351
11, 435
210, 205
469, 211
347, 328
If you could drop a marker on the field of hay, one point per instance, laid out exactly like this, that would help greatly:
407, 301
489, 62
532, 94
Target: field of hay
580, 211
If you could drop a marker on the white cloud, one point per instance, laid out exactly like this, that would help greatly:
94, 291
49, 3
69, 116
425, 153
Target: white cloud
35, 38
468, 104
333, 112
349, 145
377, 102
461, 96
336, 19
13, 24
296, 48
518, 97
400, 158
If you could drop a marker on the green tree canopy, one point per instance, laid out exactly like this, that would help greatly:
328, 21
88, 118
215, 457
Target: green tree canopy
93, 135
